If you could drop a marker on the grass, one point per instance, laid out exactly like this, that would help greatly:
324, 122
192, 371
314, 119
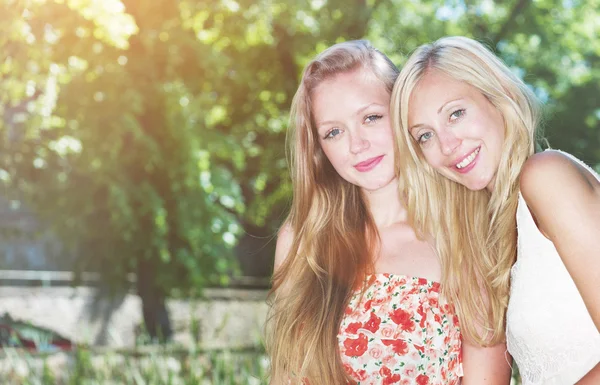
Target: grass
142, 366
152, 366
148, 366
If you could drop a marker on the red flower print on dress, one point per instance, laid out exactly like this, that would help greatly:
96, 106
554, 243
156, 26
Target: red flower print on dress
356, 347
359, 375
433, 296
390, 360
410, 370
388, 377
372, 324
372, 280
385, 371
421, 312
455, 321
402, 317
452, 364
380, 339
375, 352
399, 346
387, 331
353, 328
379, 301
394, 379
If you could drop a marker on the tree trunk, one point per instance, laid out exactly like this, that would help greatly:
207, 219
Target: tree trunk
154, 308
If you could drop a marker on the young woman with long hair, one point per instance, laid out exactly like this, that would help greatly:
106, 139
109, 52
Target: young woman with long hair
356, 296
466, 129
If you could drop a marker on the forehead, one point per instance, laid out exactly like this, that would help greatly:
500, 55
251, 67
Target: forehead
437, 85
348, 90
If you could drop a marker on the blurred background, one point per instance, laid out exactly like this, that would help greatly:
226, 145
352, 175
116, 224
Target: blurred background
143, 173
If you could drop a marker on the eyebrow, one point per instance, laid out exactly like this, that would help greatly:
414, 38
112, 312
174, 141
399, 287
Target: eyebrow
411, 129
358, 112
445, 104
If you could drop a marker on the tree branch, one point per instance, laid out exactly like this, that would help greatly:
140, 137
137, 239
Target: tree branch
518, 8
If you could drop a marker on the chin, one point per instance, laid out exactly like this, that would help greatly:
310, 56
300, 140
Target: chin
479, 185
476, 187
471, 185
376, 185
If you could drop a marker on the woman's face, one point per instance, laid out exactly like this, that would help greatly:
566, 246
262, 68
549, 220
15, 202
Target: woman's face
351, 113
460, 132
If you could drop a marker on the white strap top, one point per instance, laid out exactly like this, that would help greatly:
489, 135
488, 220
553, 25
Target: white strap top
550, 333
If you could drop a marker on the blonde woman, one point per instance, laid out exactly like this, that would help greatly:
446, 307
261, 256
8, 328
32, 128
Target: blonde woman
356, 296
466, 127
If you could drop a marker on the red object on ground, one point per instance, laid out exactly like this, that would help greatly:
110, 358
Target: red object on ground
11, 337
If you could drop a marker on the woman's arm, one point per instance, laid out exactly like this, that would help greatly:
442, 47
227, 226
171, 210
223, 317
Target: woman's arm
485, 365
564, 199
285, 237
591, 378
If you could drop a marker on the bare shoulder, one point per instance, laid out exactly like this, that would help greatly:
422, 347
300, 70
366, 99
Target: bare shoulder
285, 238
552, 175
558, 191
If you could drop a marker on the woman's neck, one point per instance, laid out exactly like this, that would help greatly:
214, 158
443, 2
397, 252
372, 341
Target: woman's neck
386, 206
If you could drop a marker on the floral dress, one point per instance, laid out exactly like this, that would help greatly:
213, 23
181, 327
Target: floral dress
399, 332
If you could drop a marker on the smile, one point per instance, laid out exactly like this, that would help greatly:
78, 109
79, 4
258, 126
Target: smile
468, 160
368, 164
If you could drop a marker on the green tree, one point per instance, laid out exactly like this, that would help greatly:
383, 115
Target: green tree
150, 135
111, 152
155, 130
552, 44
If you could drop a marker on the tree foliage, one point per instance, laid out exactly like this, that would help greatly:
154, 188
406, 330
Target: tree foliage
551, 44
150, 134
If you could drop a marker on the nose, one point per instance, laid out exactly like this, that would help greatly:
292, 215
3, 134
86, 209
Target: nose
448, 142
358, 142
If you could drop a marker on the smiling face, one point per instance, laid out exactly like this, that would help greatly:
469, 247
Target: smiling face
461, 134
351, 113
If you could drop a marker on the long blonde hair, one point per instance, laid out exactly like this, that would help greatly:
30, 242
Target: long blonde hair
475, 231
334, 235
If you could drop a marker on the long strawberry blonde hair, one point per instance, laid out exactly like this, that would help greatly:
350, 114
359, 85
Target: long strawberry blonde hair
334, 235
475, 231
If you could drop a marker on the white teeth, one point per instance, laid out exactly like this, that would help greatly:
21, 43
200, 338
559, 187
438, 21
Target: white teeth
467, 161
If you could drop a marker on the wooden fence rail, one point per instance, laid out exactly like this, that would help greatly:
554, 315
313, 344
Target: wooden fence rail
63, 278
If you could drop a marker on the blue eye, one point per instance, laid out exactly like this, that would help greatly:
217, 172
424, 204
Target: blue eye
332, 133
424, 137
373, 118
457, 114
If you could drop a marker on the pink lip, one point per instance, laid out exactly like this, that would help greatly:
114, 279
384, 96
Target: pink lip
368, 164
465, 170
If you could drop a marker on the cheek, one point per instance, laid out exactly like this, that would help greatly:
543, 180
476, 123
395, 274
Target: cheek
501, 134
493, 124
495, 138
432, 157
384, 139
388, 132
334, 156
